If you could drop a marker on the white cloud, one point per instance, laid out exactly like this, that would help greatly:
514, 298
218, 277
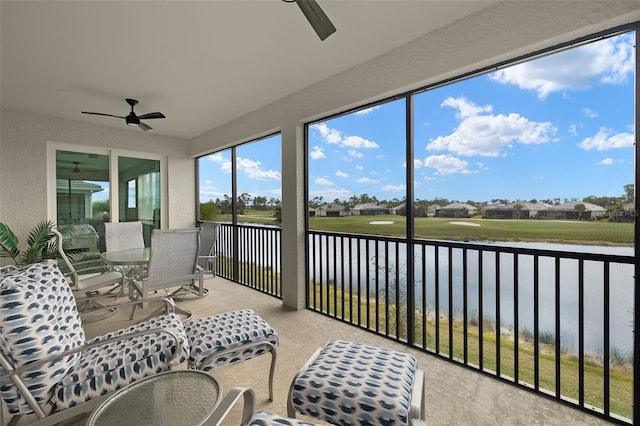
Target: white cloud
573, 130
253, 170
488, 135
605, 139
465, 108
607, 61
446, 164
324, 182
328, 134
355, 154
394, 188
342, 174
360, 167
330, 194
589, 113
334, 136
367, 180
357, 142
606, 162
217, 158
317, 153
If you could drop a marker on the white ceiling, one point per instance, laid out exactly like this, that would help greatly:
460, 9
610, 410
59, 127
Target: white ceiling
201, 63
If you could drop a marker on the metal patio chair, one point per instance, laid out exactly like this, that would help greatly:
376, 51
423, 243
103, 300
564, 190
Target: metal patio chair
206, 256
88, 278
172, 263
123, 235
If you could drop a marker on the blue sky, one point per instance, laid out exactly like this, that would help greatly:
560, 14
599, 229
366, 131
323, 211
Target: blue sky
557, 127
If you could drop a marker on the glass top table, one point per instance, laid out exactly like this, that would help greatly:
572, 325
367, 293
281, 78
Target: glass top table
177, 397
128, 257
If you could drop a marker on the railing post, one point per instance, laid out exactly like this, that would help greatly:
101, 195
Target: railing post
636, 246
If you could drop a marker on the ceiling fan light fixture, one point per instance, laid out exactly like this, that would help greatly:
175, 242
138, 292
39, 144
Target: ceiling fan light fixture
321, 24
132, 120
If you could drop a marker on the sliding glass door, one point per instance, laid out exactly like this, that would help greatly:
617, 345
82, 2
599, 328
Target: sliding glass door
94, 186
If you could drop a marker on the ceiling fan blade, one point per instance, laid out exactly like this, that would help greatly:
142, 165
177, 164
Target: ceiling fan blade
144, 127
317, 18
151, 115
100, 113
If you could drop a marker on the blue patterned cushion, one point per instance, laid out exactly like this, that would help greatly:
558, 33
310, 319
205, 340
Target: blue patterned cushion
354, 384
38, 318
261, 418
108, 368
236, 329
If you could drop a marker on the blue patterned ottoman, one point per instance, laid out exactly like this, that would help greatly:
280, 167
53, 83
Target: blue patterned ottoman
229, 338
347, 383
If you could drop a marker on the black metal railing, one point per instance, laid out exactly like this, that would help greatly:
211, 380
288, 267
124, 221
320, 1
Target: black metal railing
555, 321
558, 322
250, 255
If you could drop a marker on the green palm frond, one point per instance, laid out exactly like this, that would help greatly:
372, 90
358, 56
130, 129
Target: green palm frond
8, 242
40, 244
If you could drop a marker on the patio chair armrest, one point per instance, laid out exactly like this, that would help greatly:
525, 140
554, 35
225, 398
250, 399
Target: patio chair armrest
10, 371
228, 402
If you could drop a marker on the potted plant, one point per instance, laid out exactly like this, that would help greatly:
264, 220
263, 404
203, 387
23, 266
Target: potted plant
40, 244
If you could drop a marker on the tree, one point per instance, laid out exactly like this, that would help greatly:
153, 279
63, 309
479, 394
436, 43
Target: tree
316, 201
273, 203
260, 203
99, 207
208, 211
518, 208
629, 193
580, 208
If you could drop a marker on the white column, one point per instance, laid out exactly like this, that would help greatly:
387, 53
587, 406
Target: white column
293, 217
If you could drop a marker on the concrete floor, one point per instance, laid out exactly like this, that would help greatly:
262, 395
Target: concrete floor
454, 395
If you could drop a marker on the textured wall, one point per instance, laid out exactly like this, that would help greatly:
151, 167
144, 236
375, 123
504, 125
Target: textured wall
23, 165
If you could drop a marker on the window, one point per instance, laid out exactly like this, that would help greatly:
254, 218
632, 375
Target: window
252, 171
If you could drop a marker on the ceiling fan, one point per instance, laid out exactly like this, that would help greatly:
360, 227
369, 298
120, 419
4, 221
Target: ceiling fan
132, 119
316, 17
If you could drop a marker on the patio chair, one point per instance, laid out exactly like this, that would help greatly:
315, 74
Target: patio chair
123, 235
208, 237
45, 360
89, 277
173, 263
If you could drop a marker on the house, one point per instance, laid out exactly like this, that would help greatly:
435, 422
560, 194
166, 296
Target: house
573, 210
516, 210
368, 209
456, 210
332, 210
433, 209
400, 209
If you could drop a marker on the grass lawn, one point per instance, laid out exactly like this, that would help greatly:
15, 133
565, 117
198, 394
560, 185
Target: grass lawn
600, 232
250, 216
